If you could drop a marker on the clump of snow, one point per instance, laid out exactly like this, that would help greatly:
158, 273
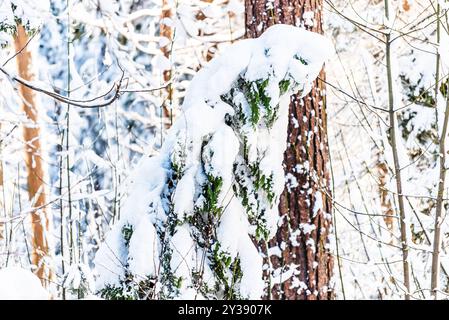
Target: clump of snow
193, 211
29, 13
20, 284
308, 17
6, 14
141, 252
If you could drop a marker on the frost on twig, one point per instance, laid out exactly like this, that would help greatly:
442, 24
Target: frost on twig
193, 211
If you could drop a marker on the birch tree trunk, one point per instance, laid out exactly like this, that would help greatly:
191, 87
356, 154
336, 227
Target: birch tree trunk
33, 161
302, 265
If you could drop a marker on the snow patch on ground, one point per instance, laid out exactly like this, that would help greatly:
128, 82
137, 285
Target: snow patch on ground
20, 284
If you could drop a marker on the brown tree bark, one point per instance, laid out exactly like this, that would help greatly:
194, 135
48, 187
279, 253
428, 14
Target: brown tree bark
33, 161
303, 236
385, 200
405, 5
167, 32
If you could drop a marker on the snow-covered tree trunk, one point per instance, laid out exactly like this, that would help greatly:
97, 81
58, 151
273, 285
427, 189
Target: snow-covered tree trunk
194, 212
300, 260
36, 176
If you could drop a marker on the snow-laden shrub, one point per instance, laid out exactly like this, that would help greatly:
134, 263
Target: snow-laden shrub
78, 281
193, 213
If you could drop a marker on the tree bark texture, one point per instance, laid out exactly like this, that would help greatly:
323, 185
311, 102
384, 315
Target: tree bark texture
302, 267
167, 32
33, 161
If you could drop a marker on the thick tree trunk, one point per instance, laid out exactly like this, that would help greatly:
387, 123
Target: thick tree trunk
303, 268
33, 161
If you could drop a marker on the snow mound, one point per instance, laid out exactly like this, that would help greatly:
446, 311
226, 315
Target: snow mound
20, 284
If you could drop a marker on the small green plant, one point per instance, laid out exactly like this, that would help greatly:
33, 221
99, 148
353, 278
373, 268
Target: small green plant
284, 86
424, 96
127, 232
227, 270
301, 59
444, 87
259, 100
211, 192
111, 292
261, 181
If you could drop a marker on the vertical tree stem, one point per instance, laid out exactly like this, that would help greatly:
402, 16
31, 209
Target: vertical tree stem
397, 169
437, 65
67, 140
439, 206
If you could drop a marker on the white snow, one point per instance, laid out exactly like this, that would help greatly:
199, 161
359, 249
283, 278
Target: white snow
252, 284
183, 256
318, 203
144, 249
231, 228
112, 255
31, 13
308, 17
185, 193
20, 284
